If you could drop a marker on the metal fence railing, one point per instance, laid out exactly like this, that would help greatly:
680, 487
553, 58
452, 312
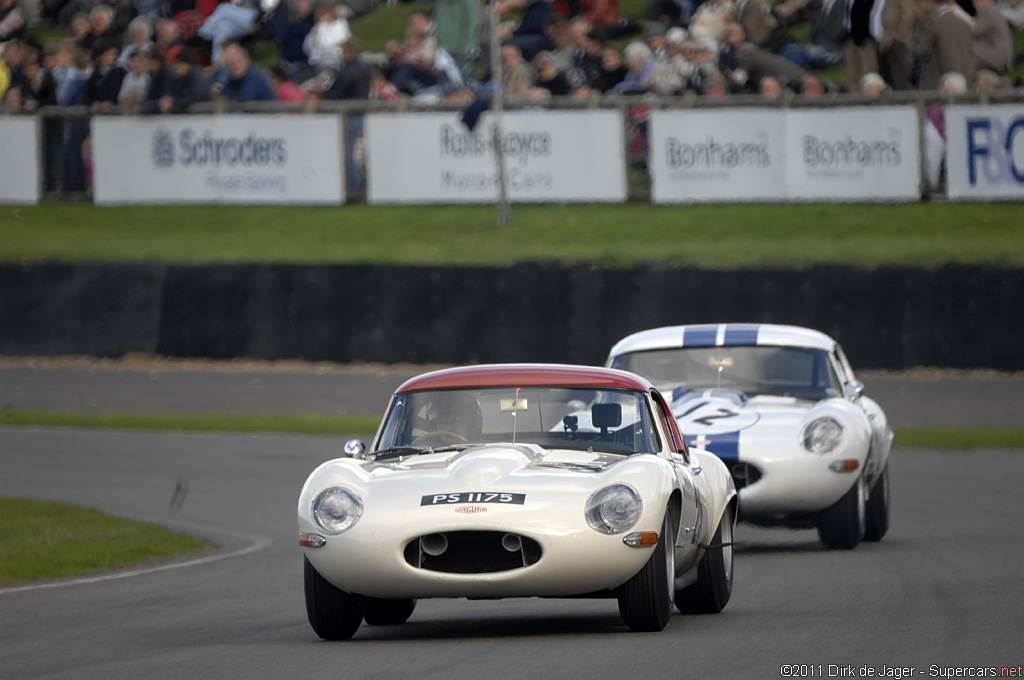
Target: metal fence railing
66, 156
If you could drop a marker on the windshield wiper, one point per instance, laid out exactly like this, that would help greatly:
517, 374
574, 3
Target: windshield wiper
399, 451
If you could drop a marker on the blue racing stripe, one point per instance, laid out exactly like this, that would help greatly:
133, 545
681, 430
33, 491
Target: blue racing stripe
725, 445
700, 336
741, 334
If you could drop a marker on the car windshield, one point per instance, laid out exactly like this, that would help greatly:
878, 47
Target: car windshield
799, 372
608, 420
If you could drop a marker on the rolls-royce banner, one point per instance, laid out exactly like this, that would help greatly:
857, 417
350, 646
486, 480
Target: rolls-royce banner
707, 156
550, 156
762, 154
19, 162
258, 159
985, 151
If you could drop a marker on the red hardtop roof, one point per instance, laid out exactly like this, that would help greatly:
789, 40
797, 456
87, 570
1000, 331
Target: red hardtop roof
516, 375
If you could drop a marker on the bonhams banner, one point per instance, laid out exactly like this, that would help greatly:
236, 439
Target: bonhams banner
549, 156
985, 151
785, 155
253, 159
19, 160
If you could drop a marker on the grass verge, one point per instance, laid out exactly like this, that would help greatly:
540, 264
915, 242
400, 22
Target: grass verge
927, 436
42, 540
719, 236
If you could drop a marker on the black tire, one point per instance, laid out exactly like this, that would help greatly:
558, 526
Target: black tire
645, 601
387, 612
876, 520
333, 613
713, 587
841, 526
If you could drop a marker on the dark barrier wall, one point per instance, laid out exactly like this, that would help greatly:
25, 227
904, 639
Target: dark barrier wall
956, 316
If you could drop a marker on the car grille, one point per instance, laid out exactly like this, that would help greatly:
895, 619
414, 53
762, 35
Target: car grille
472, 552
743, 474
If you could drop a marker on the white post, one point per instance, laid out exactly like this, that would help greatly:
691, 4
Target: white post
497, 107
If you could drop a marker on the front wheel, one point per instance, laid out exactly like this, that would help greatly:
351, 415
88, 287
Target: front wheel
877, 517
713, 588
333, 613
645, 601
841, 526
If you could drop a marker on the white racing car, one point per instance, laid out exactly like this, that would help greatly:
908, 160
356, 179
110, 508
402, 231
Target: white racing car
518, 481
781, 406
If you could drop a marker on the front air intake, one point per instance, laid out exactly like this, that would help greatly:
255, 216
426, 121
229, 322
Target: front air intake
472, 552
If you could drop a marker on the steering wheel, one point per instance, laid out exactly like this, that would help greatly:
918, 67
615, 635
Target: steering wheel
439, 438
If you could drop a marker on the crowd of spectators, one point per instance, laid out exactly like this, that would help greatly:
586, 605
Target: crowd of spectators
162, 55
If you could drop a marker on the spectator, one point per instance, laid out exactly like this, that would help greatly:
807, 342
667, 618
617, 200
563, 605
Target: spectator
12, 65
104, 83
231, 20
355, 77
187, 86
168, 35
672, 71
413, 62
993, 42
811, 86
824, 46
613, 71
135, 85
711, 17
892, 27
381, 89
654, 36
563, 48
548, 80
872, 84
121, 14
81, 32
758, 64
12, 21
769, 87
323, 43
101, 23
529, 35
160, 77
640, 64
139, 39
1013, 12
516, 74
76, 130
289, 24
244, 83
860, 47
608, 23
284, 89
760, 24
944, 45
457, 25
39, 89
586, 59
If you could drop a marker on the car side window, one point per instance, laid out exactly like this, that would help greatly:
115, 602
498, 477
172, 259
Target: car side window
675, 440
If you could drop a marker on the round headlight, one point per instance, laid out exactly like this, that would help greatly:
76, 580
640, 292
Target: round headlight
823, 435
337, 510
614, 509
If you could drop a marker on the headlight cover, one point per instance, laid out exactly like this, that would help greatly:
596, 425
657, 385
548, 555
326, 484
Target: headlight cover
337, 510
823, 435
614, 509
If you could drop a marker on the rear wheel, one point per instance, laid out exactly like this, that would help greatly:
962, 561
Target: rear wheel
877, 510
645, 601
841, 526
388, 612
713, 588
333, 613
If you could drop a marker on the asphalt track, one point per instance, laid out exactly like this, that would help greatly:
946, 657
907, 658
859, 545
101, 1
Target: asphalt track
943, 589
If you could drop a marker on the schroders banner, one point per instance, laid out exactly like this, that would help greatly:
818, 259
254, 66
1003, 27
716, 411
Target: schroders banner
985, 151
760, 154
707, 156
550, 156
19, 160
253, 159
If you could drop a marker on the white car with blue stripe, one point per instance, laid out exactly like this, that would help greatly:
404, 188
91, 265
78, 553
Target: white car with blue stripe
781, 407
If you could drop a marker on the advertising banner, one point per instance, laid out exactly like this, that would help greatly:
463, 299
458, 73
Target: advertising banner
985, 151
550, 156
859, 154
252, 159
712, 156
761, 154
19, 160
